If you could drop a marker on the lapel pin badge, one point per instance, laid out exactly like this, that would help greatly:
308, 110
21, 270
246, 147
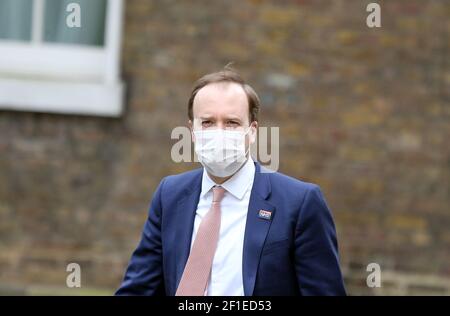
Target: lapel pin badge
265, 214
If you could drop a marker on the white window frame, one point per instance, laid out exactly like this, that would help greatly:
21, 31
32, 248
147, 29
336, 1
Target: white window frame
64, 78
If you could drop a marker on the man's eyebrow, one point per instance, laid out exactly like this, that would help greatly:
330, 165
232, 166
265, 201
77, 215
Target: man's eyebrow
236, 118
211, 117
206, 117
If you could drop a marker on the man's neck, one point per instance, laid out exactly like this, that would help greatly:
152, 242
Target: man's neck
219, 180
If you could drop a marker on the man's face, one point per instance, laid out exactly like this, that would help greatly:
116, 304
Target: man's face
222, 105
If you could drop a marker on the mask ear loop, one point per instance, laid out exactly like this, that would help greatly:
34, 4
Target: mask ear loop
248, 130
250, 144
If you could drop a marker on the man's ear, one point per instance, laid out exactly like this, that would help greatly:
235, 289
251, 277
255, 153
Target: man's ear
254, 129
191, 127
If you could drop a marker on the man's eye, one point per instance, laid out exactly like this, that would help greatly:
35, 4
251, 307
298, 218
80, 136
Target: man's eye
234, 123
206, 123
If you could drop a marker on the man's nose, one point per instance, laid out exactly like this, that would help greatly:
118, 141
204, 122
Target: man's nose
220, 125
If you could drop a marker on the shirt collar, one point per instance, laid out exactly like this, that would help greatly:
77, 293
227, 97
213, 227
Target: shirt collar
237, 185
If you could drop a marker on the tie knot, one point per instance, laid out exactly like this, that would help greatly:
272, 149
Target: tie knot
218, 193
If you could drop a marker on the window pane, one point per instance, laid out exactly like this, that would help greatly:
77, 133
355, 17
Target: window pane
92, 30
15, 19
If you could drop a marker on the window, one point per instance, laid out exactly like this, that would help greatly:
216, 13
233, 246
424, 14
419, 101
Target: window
47, 66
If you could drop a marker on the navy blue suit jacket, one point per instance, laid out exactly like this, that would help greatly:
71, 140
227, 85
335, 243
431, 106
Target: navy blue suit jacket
294, 252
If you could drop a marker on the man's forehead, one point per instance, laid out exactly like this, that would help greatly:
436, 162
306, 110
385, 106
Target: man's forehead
221, 92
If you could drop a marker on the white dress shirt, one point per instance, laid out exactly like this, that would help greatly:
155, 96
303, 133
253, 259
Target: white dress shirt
226, 272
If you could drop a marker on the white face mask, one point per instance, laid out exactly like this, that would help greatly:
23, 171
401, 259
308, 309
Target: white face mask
221, 152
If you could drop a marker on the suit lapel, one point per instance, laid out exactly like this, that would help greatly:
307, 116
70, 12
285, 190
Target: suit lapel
256, 228
186, 209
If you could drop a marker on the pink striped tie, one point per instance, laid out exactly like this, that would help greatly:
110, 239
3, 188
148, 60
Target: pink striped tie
198, 267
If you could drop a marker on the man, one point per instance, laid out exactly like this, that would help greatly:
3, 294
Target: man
230, 228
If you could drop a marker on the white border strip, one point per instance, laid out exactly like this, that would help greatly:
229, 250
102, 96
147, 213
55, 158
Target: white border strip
62, 97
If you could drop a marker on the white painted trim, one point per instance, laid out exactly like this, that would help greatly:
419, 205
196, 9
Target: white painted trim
113, 39
52, 61
62, 97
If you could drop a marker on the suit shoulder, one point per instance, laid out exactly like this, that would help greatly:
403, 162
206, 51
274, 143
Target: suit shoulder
288, 182
182, 180
307, 196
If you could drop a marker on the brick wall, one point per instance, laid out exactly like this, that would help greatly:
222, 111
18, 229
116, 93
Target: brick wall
362, 112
